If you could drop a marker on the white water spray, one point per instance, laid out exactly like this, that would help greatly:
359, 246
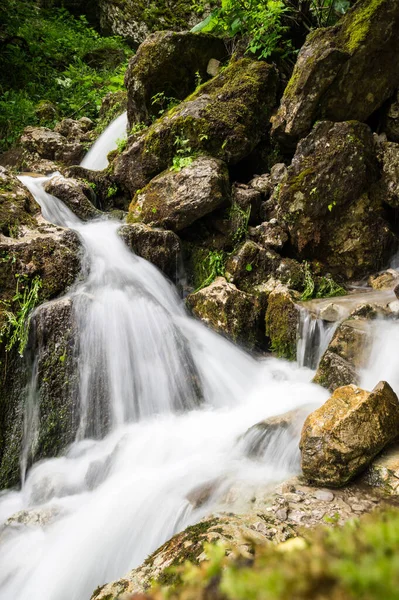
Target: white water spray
96, 158
176, 398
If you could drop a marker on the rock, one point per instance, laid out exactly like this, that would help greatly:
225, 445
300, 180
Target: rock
262, 184
160, 247
384, 281
383, 473
228, 310
344, 72
251, 265
75, 129
247, 199
269, 234
391, 126
324, 495
135, 19
347, 353
342, 437
167, 64
51, 145
282, 322
387, 188
325, 204
224, 118
52, 254
76, 195
17, 206
174, 200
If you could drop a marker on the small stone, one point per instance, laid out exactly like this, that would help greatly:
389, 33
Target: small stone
296, 516
282, 514
318, 514
293, 497
213, 67
324, 495
358, 507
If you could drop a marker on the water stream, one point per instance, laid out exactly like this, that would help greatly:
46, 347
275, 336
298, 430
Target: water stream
177, 399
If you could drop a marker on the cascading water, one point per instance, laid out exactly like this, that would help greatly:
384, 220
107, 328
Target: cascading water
175, 399
96, 158
314, 336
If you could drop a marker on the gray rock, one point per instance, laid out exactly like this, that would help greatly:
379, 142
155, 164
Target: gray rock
174, 200
77, 195
324, 495
51, 145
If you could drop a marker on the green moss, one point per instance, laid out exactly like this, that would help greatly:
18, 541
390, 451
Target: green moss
281, 325
358, 24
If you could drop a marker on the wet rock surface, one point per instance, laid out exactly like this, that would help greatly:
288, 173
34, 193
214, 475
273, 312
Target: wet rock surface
160, 247
342, 437
228, 310
78, 196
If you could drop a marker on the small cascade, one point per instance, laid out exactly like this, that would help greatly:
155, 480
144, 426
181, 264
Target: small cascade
96, 158
383, 364
315, 334
163, 401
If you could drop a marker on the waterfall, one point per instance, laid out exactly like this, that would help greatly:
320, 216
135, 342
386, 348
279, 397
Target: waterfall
96, 158
176, 399
314, 337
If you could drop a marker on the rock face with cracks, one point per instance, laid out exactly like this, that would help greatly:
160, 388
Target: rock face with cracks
342, 437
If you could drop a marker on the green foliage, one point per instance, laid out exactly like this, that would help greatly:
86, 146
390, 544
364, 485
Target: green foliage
183, 157
266, 26
163, 102
137, 127
359, 561
112, 190
213, 266
121, 144
239, 220
319, 287
44, 61
16, 326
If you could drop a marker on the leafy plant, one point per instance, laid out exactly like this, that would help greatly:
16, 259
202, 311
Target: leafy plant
16, 327
183, 157
163, 102
319, 287
239, 218
121, 144
112, 190
213, 266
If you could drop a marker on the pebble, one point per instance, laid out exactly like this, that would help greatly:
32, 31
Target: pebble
324, 495
296, 516
282, 514
293, 497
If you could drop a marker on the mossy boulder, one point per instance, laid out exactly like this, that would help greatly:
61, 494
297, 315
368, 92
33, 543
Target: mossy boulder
77, 195
387, 188
327, 203
175, 199
51, 145
391, 119
159, 246
168, 64
282, 322
343, 72
229, 311
342, 437
224, 118
135, 19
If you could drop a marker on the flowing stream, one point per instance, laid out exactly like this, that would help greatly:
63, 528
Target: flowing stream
177, 398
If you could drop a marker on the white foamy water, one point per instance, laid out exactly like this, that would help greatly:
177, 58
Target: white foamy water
314, 337
383, 361
96, 158
170, 400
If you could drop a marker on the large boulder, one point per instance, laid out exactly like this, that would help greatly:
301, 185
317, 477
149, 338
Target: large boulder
17, 206
342, 437
326, 204
225, 118
383, 473
76, 195
347, 353
168, 64
159, 246
228, 310
175, 199
387, 188
343, 72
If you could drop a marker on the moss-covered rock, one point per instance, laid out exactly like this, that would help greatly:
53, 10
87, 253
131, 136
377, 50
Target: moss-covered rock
135, 19
160, 247
342, 72
387, 188
282, 322
17, 206
343, 436
51, 145
167, 68
224, 118
325, 202
176, 198
228, 310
